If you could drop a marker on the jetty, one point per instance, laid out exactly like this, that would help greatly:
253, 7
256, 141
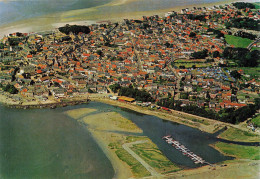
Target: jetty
185, 151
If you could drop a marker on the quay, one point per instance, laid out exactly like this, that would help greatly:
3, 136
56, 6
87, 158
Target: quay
49, 105
185, 151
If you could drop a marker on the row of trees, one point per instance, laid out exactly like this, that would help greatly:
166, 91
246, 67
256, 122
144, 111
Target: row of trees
218, 33
245, 35
244, 5
200, 55
244, 57
139, 95
192, 109
230, 115
196, 17
236, 116
243, 23
9, 88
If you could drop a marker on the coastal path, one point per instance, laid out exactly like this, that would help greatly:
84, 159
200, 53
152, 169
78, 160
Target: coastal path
138, 158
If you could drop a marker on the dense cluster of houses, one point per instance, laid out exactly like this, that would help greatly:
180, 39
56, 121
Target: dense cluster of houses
137, 52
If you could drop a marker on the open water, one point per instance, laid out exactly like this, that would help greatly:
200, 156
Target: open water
46, 143
16, 10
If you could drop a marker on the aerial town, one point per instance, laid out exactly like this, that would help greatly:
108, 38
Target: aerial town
183, 56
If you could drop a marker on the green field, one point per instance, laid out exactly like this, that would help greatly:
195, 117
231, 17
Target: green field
238, 41
254, 72
257, 5
147, 151
256, 121
154, 157
136, 167
239, 151
239, 135
189, 65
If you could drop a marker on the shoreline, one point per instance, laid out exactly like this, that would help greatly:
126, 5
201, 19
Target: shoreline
90, 16
101, 133
201, 123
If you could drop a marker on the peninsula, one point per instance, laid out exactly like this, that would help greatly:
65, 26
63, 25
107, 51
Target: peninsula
198, 67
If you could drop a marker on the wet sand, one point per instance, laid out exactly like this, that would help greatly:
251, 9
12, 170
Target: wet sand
89, 16
100, 125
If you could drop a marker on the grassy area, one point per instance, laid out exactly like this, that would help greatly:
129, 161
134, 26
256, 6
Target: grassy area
189, 65
239, 151
257, 5
154, 157
237, 41
148, 151
255, 48
239, 135
252, 71
256, 121
136, 167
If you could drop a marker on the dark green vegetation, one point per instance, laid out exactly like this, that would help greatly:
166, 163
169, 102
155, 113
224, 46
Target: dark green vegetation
235, 74
13, 41
196, 17
238, 41
245, 35
244, 5
200, 55
2, 45
254, 72
256, 121
75, 29
139, 95
230, 115
216, 32
243, 23
9, 88
115, 87
242, 56
239, 151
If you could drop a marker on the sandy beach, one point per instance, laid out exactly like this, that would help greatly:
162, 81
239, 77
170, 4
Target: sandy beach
97, 128
111, 131
90, 16
103, 126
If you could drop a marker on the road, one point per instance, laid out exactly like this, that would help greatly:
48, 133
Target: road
146, 165
251, 45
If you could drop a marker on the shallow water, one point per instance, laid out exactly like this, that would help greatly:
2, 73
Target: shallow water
11, 11
46, 143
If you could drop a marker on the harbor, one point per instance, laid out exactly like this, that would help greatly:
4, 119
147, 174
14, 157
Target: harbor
185, 151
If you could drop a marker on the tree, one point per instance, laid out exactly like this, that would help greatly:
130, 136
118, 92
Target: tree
10, 88
2, 45
235, 74
243, 5
192, 35
75, 29
200, 55
216, 54
115, 87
